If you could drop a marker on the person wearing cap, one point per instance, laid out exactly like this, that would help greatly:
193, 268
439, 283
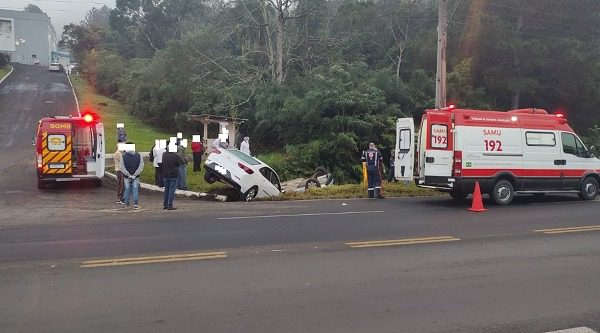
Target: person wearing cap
373, 160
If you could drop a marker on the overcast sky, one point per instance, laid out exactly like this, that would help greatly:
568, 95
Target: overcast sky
61, 12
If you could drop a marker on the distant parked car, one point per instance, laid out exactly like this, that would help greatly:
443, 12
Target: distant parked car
55, 67
250, 176
36, 62
74, 67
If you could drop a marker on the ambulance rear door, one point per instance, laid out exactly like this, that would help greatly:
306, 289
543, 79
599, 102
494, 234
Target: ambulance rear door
439, 145
56, 149
100, 150
404, 154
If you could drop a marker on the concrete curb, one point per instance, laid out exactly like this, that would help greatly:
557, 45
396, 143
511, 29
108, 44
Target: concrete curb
7, 75
189, 194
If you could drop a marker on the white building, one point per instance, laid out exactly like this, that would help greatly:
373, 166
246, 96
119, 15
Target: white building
27, 36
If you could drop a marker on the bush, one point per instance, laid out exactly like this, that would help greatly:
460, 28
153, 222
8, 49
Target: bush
4, 59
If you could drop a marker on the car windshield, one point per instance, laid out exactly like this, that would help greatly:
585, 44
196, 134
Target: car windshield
244, 157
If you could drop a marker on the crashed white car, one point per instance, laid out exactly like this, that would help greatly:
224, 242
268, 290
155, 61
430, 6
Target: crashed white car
250, 176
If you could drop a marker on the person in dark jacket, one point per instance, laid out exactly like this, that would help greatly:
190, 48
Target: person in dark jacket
132, 165
372, 157
170, 168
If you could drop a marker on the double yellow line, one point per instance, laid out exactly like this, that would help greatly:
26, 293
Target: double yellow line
569, 230
406, 241
153, 259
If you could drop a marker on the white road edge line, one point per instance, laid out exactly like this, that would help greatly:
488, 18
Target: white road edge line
74, 95
295, 215
12, 68
575, 330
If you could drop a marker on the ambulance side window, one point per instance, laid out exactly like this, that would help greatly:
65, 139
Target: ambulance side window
540, 139
572, 145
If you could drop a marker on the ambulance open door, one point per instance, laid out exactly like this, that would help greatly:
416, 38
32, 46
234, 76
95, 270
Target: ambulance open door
405, 149
100, 150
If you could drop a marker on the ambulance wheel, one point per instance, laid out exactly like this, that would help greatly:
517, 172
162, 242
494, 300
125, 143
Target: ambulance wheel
503, 192
98, 182
312, 183
458, 195
250, 194
589, 189
41, 184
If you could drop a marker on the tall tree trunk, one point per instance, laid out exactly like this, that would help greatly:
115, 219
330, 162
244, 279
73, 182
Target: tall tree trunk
279, 49
515, 99
269, 35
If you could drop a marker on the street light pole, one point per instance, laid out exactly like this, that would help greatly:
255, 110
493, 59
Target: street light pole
440, 81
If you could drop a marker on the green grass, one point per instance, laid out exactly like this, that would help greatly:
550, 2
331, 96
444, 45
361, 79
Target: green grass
3, 71
112, 112
357, 191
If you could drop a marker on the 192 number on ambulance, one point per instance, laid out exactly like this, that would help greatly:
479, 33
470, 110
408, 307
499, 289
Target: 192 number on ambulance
493, 145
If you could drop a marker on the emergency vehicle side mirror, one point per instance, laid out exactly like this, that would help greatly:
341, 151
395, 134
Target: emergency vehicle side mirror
33, 141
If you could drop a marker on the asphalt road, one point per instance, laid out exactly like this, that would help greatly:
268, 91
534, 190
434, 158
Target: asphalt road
71, 260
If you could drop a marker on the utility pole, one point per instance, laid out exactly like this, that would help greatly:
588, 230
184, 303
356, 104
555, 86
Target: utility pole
440, 80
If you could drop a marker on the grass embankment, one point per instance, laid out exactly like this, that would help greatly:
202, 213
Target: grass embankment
4, 71
357, 191
138, 132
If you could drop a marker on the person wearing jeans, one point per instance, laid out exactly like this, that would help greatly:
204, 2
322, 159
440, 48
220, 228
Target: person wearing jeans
171, 162
132, 165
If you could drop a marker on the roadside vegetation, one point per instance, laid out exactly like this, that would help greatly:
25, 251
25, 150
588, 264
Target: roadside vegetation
4, 65
3, 71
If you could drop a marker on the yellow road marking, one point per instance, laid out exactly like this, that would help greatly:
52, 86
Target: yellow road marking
406, 241
153, 259
568, 230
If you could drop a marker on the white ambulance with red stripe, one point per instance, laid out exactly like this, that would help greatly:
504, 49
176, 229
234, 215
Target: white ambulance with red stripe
519, 151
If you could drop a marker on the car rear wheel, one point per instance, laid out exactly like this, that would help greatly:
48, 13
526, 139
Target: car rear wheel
312, 183
589, 189
41, 184
503, 192
250, 194
209, 177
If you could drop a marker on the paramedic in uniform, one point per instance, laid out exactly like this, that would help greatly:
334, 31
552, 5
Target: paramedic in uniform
373, 159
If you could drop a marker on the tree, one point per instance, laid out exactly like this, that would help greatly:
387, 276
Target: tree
31, 8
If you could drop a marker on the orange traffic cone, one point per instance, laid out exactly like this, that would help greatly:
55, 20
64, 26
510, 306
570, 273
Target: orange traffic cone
477, 205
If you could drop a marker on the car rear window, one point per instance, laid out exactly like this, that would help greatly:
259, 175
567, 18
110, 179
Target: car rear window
244, 157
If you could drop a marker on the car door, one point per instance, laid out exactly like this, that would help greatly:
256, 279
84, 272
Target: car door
575, 160
270, 183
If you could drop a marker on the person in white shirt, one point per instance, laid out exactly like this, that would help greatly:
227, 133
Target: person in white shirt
156, 154
245, 145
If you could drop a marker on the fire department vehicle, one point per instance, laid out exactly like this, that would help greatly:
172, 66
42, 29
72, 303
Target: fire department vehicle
70, 149
520, 151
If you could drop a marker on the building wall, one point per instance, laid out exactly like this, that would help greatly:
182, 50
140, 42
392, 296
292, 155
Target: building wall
37, 32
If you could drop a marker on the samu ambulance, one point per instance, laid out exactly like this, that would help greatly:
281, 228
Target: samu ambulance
70, 149
519, 151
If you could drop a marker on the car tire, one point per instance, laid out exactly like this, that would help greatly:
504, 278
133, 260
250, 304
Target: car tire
209, 177
503, 192
458, 195
312, 183
589, 189
250, 194
320, 171
98, 183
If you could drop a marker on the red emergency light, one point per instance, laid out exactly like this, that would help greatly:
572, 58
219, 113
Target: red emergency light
88, 118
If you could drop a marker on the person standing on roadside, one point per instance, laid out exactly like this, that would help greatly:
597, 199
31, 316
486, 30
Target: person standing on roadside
182, 179
373, 159
117, 157
245, 146
197, 150
132, 165
156, 154
171, 162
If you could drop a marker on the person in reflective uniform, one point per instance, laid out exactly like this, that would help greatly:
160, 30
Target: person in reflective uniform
373, 160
